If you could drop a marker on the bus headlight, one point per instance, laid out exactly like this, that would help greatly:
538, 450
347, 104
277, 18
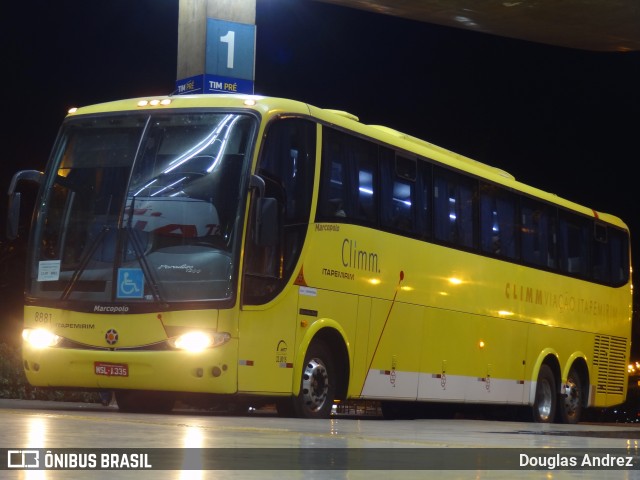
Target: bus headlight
40, 338
198, 341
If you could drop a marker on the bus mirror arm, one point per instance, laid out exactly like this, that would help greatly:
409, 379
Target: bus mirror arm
257, 183
266, 215
13, 207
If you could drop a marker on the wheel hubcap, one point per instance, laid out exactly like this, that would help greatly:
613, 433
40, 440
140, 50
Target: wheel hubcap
571, 398
315, 385
545, 400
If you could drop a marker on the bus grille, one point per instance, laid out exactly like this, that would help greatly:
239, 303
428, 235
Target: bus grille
610, 358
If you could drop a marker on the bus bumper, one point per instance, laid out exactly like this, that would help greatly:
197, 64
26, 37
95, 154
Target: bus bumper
211, 371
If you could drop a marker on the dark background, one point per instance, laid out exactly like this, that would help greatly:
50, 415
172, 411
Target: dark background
566, 121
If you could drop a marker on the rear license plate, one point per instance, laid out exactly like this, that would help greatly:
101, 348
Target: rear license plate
111, 369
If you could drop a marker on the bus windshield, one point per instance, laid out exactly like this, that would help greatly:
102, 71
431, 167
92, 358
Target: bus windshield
143, 208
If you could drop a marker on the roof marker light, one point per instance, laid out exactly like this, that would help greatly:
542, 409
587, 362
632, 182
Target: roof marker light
73, 110
154, 102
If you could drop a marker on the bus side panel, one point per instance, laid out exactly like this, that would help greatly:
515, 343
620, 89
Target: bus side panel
501, 351
267, 346
360, 346
473, 359
394, 363
320, 309
446, 362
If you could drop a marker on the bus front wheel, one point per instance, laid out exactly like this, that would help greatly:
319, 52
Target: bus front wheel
317, 385
544, 406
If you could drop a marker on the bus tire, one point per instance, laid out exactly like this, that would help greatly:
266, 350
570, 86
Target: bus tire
318, 383
544, 406
572, 401
139, 401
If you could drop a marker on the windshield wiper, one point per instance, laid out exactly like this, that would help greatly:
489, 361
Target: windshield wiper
144, 263
141, 259
140, 256
84, 261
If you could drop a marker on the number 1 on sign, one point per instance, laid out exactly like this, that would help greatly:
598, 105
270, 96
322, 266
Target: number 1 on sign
229, 39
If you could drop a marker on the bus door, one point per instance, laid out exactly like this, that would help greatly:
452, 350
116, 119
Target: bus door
267, 328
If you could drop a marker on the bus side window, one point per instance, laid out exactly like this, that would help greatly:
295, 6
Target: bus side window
335, 204
365, 160
454, 208
497, 221
334, 199
535, 234
618, 248
601, 253
398, 179
425, 209
552, 252
349, 178
609, 254
574, 240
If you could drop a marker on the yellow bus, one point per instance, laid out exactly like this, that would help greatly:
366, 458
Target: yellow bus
246, 248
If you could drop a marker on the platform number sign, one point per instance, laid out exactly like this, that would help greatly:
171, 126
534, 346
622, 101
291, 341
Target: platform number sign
229, 60
230, 57
230, 40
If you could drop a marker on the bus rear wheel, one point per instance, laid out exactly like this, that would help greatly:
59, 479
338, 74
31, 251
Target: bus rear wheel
317, 385
573, 399
544, 406
139, 401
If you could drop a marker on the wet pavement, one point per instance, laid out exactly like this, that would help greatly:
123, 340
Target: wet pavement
189, 444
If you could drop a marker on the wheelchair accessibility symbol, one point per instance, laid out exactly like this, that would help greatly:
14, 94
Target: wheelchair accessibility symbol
130, 283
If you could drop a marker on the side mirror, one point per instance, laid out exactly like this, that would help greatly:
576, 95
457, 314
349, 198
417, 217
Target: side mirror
13, 207
266, 215
267, 222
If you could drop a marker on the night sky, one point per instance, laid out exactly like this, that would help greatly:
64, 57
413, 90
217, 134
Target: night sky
563, 120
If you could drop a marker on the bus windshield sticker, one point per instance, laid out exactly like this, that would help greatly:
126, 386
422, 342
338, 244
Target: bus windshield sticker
130, 283
48, 270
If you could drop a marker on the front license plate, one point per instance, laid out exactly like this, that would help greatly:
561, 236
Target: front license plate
111, 369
